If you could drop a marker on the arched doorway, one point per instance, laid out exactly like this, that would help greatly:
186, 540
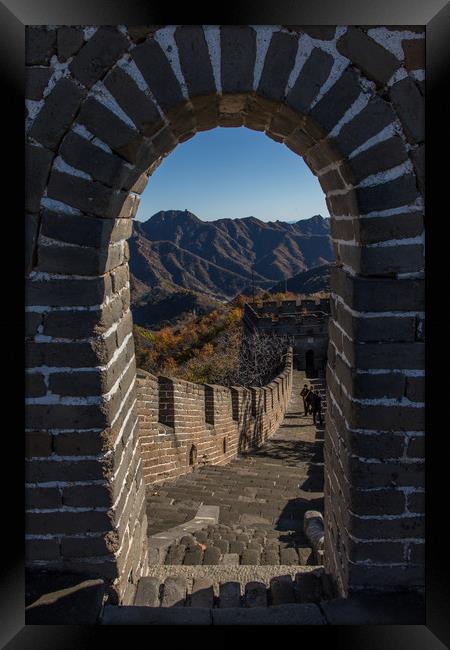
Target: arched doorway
310, 367
95, 134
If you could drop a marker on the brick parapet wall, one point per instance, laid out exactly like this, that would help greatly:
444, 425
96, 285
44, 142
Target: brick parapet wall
219, 421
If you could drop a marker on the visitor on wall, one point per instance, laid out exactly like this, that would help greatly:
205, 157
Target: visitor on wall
304, 395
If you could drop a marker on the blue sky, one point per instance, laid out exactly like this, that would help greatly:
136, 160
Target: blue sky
234, 172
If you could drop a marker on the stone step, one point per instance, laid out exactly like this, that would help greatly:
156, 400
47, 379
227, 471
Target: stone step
292, 614
271, 586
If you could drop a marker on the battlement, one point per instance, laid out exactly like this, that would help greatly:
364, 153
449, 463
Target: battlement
183, 425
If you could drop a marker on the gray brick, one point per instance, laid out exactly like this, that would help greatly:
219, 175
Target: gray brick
410, 106
311, 78
308, 587
336, 101
371, 120
174, 592
147, 593
156, 70
84, 230
90, 196
103, 123
99, 53
255, 594
229, 594
202, 593
69, 40
39, 45
36, 81
238, 53
382, 156
31, 234
375, 61
250, 556
282, 590
57, 114
101, 165
137, 105
278, 64
212, 555
288, 556
38, 161
194, 60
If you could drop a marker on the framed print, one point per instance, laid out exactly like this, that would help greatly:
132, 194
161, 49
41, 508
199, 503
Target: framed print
226, 416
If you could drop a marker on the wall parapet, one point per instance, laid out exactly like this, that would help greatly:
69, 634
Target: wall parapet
184, 425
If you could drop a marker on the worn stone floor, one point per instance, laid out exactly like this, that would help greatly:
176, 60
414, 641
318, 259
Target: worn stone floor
262, 497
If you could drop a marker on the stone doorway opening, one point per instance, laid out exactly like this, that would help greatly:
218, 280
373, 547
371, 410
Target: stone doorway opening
310, 368
350, 104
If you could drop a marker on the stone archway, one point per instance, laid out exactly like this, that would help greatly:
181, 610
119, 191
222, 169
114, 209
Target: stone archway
105, 106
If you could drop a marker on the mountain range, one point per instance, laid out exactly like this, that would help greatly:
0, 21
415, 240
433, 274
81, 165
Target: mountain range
174, 251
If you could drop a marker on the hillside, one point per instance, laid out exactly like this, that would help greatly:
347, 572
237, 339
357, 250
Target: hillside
307, 282
176, 250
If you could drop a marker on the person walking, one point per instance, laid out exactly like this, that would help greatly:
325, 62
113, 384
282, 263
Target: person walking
308, 401
304, 395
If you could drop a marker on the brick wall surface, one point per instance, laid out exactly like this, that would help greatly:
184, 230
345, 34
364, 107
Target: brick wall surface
105, 104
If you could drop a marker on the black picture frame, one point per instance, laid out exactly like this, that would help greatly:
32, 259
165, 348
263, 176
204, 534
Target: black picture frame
14, 16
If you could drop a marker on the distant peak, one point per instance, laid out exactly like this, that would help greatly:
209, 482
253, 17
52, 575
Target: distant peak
172, 215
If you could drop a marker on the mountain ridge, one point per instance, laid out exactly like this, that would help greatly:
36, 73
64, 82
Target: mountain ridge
178, 250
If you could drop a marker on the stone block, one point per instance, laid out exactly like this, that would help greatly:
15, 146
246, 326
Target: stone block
39, 497
282, 590
83, 230
414, 50
313, 75
40, 44
336, 101
308, 587
69, 41
288, 556
174, 592
418, 158
279, 61
44, 471
212, 555
86, 195
238, 53
255, 594
147, 593
194, 60
229, 594
36, 80
410, 106
38, 443
202, 594
105, 167
99, 53
38, 523
378, 158
31, 234
103, 123
135, 103
35, 385
57, 114
371, 120
157, 72
376, 62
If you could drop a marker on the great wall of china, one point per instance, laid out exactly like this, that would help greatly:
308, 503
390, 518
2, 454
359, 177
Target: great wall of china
105, 106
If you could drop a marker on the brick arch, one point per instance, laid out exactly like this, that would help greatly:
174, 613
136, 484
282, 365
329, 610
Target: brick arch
106, 106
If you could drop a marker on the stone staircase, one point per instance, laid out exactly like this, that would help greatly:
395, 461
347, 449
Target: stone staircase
262, 497
281, 595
